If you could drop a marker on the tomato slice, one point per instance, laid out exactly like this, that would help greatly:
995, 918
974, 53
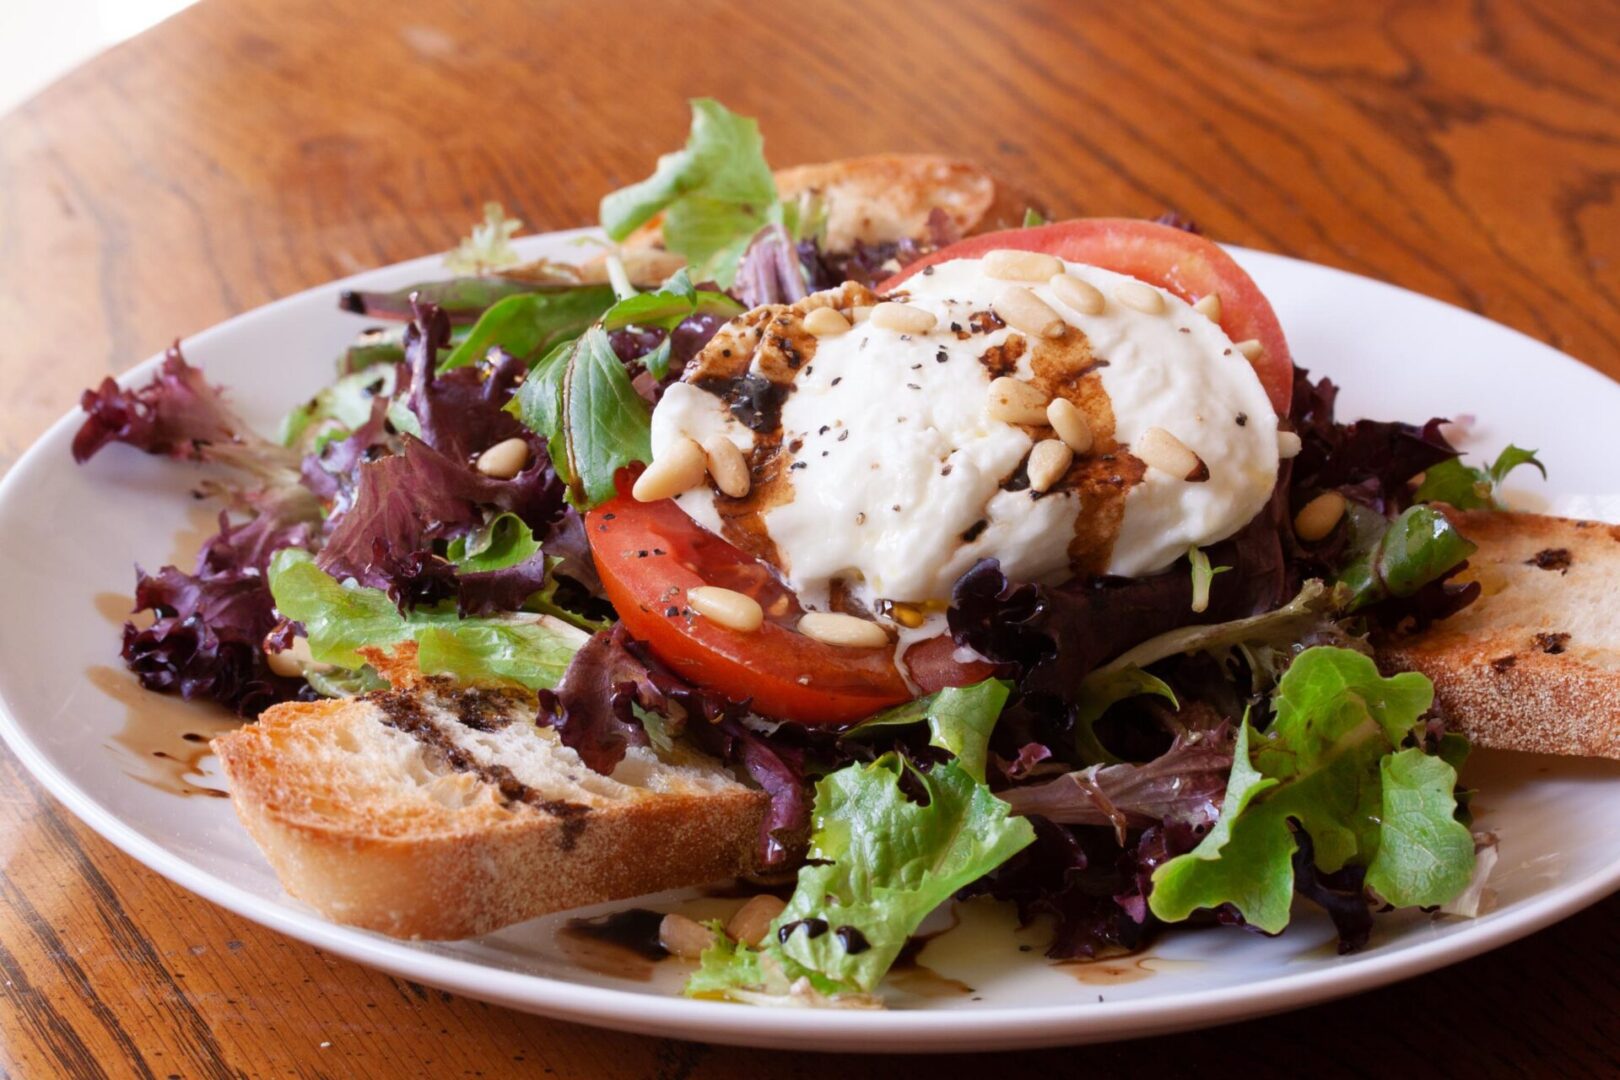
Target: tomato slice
1188, 265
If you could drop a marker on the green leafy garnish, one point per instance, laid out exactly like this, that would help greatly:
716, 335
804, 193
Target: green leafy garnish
529, 650
1202, 575
665, 309
530, 324
1419, 546
335, 410
1033, 217
715, 194
580, 398
878, 864
1100, 691
502, 541
489, 247
1469, 487
1332, 765
606, 425
959, 720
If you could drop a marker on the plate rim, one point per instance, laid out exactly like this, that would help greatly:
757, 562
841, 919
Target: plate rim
987, 1028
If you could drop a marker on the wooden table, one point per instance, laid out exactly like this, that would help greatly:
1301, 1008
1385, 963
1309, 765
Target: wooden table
250, 148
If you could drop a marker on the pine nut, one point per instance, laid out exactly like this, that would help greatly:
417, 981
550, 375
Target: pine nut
726, 608
1251, 349
903, 318
909, 616
1070, 424
1048, 461
1209, 307
836, 628
1023, 310
505, 459
727, 465
1082, 296
679, 468
1010, 265
1141, 296
1161, 450
1319, 517
826, 322
684, 937
1288, 445
860, 313
753, 920
1014, 401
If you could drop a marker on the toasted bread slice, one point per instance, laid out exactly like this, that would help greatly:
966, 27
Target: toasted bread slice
890, 196
432, 811
1534, 663
887, 197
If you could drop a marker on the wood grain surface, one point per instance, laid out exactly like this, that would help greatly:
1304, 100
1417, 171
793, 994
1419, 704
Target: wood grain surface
251, 148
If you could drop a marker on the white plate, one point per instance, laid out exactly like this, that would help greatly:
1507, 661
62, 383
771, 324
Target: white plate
69, 536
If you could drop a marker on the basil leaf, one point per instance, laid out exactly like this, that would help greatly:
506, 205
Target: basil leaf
714, 194
606, 424
530, 324
1419, 546
1469, 488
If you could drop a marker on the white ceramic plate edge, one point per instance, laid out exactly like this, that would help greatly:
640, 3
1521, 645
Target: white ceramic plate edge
921, 1030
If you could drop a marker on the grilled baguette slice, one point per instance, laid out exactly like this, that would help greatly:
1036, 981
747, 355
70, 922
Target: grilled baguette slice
888, 197
432, 811
873, 200
1534, 663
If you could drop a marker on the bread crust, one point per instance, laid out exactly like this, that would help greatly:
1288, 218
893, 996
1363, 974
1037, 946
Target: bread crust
1534, 663
384, 856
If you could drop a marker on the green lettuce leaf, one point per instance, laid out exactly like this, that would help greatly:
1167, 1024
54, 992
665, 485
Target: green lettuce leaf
529, 324
1101, 690
1469, 487
335, 410
715, 194
530, 650
503, 541
674, 301
489, 246
879, 863
960, 720
1419, 546
1330, 764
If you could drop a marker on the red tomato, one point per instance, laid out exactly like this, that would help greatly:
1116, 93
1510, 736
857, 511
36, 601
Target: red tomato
1186, 264
650, 554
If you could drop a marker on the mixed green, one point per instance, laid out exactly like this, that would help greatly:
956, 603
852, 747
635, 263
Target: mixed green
1207, 745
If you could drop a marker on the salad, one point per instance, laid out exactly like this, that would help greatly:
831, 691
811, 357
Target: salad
1026, 565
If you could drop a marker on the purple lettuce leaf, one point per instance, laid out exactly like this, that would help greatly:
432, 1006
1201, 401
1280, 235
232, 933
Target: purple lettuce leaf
1055, 635
207, 636
461, 412
770, 271
1183, 786
178, 413
593, 707
489, 592
1370, 461
592, 710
